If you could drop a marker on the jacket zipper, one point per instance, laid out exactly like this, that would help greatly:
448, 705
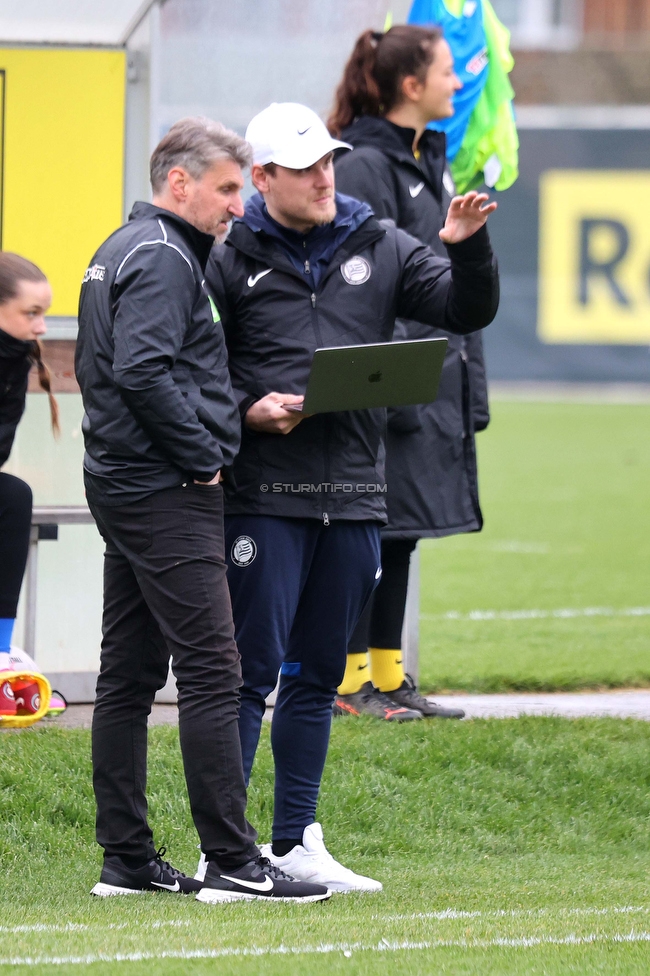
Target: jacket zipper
465, 391
326, 445
287, 269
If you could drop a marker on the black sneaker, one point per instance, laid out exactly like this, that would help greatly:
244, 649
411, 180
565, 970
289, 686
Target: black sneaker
257, 880
157, 875
370, 701
408, 696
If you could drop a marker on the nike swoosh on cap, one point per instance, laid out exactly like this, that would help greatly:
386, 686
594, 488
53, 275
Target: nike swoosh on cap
304, 130
252, 281
174, 887
414, 190
265, 885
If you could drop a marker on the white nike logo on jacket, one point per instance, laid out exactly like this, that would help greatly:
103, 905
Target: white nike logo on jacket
253, 281
414, 190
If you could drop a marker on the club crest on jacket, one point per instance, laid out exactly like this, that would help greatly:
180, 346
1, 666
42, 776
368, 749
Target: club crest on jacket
355, 270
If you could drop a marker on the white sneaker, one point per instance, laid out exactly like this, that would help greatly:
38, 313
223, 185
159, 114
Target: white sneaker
201, 868
311, 861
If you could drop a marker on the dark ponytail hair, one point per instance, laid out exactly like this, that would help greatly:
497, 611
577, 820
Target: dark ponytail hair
372, 78
13, 270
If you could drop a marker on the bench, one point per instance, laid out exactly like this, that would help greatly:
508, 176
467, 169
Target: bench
46, 520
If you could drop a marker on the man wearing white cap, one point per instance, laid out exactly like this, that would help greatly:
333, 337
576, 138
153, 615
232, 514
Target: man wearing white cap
307, 268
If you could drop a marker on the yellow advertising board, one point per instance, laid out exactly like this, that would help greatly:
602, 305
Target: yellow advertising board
594, 257
63, 159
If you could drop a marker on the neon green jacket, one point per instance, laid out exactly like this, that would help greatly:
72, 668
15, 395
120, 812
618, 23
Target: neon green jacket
489, 152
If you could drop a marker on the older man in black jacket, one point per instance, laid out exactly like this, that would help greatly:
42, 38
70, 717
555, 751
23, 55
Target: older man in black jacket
160, 424
307, 269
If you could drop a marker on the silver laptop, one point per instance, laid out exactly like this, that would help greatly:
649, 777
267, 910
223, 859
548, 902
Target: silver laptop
379, 374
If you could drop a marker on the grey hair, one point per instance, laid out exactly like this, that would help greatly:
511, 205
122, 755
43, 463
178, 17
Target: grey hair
195, 144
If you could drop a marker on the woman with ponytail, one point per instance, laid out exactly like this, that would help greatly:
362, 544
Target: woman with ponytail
393, 86
25, 297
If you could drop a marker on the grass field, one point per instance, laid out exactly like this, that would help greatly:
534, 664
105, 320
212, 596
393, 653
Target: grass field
564, 491
515, 846
506, 847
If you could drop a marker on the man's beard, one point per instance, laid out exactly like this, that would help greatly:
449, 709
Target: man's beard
210, 225
327, 217
220, 236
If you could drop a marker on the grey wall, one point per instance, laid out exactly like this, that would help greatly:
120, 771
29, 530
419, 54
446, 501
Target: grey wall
230, 60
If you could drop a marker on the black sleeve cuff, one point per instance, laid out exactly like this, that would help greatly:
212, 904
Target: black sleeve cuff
474, 248
245, 404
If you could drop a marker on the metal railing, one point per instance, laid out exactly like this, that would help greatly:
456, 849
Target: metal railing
46, 520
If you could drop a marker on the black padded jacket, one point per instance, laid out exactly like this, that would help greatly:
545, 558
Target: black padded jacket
431, 469
331, 466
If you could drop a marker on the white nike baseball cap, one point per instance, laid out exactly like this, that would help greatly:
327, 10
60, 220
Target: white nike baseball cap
290, 135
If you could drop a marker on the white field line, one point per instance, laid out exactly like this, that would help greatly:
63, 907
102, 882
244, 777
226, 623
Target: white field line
452, 913
538, 614
85, 927
346, 948
444, 915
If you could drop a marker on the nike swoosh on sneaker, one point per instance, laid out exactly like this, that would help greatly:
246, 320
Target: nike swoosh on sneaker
266, 885
252, 281
174, 887
414, 190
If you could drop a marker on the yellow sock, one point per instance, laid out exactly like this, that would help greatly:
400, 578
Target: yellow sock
386, 668
356, 674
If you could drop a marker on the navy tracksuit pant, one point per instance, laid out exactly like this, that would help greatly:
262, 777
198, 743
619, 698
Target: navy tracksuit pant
298, 588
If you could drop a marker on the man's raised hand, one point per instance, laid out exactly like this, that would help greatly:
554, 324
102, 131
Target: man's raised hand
269, 416
465, 215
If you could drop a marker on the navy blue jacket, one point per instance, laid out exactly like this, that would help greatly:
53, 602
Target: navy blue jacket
309, 253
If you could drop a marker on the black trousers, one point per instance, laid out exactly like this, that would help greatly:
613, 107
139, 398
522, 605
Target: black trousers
380, 624
165, 592
15, 521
